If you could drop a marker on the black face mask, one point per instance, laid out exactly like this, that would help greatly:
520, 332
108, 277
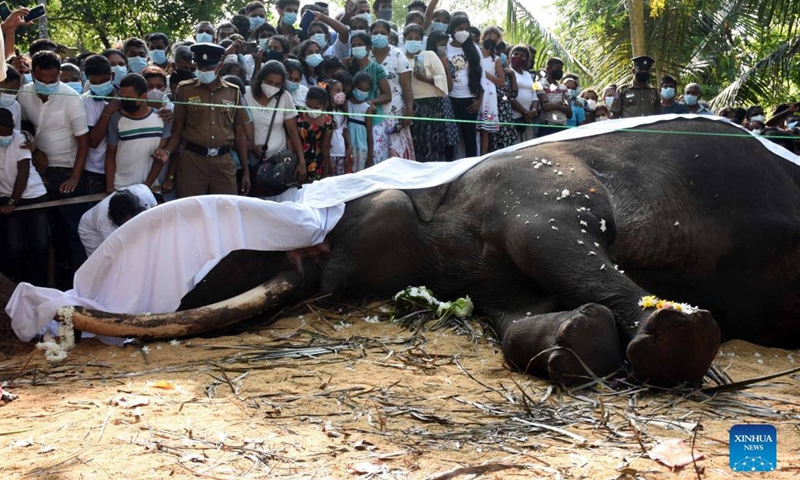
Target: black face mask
642, 77
273, 55
129, 106
558, 74
489, 45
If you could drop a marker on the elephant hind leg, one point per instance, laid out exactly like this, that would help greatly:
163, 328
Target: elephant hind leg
562, 345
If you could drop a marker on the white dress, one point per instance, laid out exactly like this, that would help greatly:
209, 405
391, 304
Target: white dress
400, 142
488, 115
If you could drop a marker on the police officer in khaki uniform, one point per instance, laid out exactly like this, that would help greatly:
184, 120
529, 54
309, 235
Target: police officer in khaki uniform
638, 99
208, 123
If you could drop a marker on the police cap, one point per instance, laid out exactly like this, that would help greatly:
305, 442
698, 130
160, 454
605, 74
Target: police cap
643, 61
207, 54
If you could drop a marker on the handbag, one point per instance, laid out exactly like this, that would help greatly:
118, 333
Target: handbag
274, 175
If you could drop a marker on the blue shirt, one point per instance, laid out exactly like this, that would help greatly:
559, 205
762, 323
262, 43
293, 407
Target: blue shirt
578, 115
674, 108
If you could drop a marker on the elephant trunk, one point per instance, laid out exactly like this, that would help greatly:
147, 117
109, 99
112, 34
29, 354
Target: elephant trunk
186, 322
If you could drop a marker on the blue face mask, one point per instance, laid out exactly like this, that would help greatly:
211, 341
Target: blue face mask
413, 46
668, 93
119, 72
77, 86
438, 27
103, 89
360, 95
289, 18
314, 60
291, 87
204, 37
367, 17
6, 141
256, 22
137, 64
359, 52
8, 99
380, 41
690, 99
28, 78
45, 88
263, 44
159, 57
319, 39
206, 77
504, 59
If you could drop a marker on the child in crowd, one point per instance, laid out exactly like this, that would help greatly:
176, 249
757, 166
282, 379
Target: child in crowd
9, 88
341, 152
359, 124
316, 131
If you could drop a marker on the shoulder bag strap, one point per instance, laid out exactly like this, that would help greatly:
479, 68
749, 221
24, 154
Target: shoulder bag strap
271, 123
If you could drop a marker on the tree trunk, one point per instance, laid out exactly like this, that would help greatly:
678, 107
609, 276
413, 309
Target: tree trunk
636, 21
42, 22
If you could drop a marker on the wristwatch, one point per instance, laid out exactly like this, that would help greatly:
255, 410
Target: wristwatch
11, 202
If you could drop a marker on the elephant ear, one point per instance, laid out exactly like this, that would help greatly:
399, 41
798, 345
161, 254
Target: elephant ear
427, 200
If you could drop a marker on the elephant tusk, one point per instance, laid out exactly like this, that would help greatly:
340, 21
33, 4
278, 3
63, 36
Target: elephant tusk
186, 322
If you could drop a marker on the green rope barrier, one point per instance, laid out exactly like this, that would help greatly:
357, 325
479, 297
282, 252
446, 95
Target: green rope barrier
594, 125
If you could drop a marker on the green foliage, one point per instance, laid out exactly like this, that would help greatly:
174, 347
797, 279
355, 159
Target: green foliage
96, 24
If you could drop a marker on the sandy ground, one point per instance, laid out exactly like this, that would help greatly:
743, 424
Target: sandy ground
327, 394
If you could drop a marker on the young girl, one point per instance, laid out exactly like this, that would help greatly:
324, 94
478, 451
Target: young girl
294, 77
494, 78
341, 152
9, 88
316, 131
359, 125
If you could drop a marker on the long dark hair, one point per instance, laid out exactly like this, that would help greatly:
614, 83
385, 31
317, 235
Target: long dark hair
272, 66
475, 72
308, 72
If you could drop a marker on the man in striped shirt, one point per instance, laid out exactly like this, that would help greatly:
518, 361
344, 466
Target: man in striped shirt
134, 134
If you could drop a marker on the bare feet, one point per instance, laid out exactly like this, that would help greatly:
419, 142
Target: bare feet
531, 344
673, 347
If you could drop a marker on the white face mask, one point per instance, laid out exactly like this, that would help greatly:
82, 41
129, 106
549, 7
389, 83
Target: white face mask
461, 36
609, 101
314, 113
601, 118
155, 94
6, 99
591, 103
757, 118
269, 90
757, 131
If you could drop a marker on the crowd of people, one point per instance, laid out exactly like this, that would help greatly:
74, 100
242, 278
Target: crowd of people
339, 92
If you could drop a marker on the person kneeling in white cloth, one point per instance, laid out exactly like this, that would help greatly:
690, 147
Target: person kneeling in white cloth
103, 219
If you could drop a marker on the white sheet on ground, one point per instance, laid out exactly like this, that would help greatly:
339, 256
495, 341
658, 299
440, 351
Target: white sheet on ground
150, 263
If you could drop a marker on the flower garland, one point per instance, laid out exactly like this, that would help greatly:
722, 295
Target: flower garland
651, 301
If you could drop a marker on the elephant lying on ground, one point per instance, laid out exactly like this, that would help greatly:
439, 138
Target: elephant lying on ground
558, 243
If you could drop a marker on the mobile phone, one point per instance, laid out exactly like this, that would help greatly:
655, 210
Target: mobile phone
307, 20
36, 12
249, 48
419, 64
5, 12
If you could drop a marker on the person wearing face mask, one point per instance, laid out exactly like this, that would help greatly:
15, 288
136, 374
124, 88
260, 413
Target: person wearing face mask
135, 132
638, 98
119, 64
204, 33
311, 58
589, 98
294, 85
669, 104
256, 14
24, 234
341, 46
316, 127
275, 48
467, 92
554, 99
428, 86
9, 89
157, 99
601, 113
61, 145
382, 10
158, 46
71, 75
99, 108
398, 70
341, 151
207, 130
691, 98
578, 117
379, 93
755, 114
288, 17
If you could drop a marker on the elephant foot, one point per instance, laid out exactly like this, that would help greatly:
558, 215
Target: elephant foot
561, 346
672, 347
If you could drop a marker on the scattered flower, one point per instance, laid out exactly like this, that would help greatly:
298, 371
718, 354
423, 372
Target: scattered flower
591, 253
554, 227
677, 223
372, 319
565, 192
145, 349
174, 342
603, 225
651, 301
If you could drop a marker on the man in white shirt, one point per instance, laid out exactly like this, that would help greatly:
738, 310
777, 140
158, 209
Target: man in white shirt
104, 218
62, 140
